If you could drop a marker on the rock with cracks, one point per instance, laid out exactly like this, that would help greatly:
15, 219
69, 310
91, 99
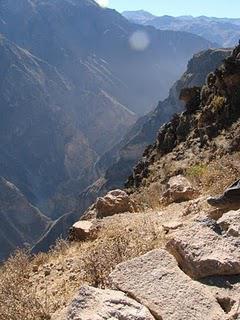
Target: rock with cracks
202, 250
230, 223
156, 281
114, 202
96, 304
179, 189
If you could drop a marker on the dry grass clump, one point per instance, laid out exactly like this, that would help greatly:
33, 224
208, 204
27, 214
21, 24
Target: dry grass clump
149, 197
217, 175
18, 301
117, 245
218, 103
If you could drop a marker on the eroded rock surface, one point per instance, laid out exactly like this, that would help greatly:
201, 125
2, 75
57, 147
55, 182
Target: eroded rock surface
115, 201
179, 189
84, 230
230, 223
156, 281
96, 304
203, 250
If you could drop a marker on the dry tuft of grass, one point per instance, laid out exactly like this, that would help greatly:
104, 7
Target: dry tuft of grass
217, 175
218, 103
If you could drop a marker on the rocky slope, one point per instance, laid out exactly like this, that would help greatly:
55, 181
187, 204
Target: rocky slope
95, 88
223, 31
21, 224
208, 127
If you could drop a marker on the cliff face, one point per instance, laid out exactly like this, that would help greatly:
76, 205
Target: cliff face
146, 128
206, 131
80, 95
21, 224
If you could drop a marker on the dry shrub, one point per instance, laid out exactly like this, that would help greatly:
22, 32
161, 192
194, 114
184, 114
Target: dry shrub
119, 245
61, 247
18, 300
217, 175
149, 197
218, 103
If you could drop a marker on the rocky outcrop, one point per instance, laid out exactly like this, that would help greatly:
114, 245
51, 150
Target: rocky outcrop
155, 280
84, 230
114, 202
21, 224
179, 189
119, 161
196, 129
96, 304
202, 250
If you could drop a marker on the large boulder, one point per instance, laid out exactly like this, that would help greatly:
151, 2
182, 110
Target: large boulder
115, 201
203, 250
179, 189
96, 304
156, 281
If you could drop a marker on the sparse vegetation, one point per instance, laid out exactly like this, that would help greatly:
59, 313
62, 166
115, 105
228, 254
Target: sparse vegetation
196, 172
31, 295
18, 299
218, 103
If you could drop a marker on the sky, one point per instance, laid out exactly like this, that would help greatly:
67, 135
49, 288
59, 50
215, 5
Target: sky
213, 8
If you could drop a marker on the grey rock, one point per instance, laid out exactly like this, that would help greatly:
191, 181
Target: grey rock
201, 251
230, 223
156, 281
96, 304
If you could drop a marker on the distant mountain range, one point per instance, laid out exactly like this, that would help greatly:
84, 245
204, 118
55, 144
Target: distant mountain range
224, 31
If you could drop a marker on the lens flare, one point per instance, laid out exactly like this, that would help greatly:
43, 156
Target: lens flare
103, 3
139, 40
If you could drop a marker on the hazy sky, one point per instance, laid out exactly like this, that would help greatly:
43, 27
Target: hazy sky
216, 8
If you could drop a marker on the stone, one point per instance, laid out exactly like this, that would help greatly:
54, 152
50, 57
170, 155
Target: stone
84, 230
156, 281
179, 189
201, 250
47, 272
230, 223
35, 268
114, 202
172, 225
97, 304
